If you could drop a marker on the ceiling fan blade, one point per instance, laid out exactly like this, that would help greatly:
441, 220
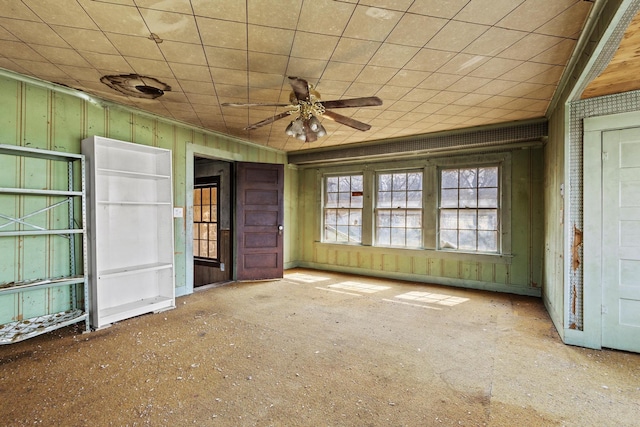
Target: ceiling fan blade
348, 121
368, 101
241, 104
267, 121
300, 88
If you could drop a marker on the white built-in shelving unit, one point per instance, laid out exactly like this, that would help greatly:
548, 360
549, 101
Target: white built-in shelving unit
131, 233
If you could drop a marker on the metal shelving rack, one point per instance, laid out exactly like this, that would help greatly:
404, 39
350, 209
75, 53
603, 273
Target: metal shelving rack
76, 280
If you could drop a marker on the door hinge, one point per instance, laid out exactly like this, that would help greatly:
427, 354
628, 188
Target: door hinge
605, 310
605, 155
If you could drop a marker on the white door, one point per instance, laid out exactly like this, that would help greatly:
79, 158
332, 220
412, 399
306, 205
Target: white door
621, 239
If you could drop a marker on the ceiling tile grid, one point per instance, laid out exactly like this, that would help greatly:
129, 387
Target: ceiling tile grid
436, 65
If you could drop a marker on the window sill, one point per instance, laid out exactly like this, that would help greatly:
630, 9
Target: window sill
429, 253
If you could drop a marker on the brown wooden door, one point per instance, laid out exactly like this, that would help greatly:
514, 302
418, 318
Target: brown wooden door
259, 220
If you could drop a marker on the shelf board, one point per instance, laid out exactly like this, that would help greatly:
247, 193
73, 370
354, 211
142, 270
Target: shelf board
17, 150
134, 308
21, 330
41, 232
122, 202
135, 269
130, 174
13, 287
36, 192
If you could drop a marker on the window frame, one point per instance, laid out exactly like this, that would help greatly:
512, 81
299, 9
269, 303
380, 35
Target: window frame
477, 209
209, 182
376, 209
325, 208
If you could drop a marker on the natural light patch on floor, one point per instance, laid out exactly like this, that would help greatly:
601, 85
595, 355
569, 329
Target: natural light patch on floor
430, 298
360, 287
305, 278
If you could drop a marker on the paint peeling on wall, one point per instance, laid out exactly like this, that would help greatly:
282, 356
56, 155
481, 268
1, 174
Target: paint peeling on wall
575, 248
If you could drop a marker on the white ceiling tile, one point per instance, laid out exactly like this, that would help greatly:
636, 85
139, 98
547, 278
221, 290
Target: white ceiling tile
215, 32
325, 17
185, 53
115, 18
277, 14
441, 8
456, 36
171, 26
370, 23
135, 46
33, 32
415, 30
269, 40
482, 12
61, 12
228, 10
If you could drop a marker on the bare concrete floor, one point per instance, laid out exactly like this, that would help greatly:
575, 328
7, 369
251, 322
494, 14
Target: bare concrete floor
322, 349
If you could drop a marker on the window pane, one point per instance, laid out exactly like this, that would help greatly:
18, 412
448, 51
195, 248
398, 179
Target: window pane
488, 241
414, 199
414, 237
384, 218
355, 217
449, 219
342, 233
384, 236
330, 233
342, 216
357, 183
399, 200
204, 232
332, 185
330, 216
488, 177
468, 198
467, 240
488, 219
467, 220
206, 196
213, 249
384, 182
468, 178
397, 236
450, 178
355, 234
414, 181
488, 198
206, 213
356, 201
204, 248
449, 239
384, 199
197, 196
344, 184
449, 198
197, 214
398, 219
332, 200
414, 219
344, 200
399, 181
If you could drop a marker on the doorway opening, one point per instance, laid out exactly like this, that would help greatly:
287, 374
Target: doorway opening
212, 222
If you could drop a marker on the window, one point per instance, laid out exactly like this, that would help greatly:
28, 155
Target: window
469, 204
398, 209
343, 209
205, 220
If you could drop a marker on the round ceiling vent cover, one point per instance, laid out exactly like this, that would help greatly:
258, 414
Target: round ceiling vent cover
136, 85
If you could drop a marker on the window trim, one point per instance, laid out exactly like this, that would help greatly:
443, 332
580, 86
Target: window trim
503, 162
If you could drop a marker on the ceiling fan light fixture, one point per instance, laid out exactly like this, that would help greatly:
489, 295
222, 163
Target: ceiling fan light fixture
136, 86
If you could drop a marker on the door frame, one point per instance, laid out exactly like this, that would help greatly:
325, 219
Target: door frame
193, 151
593, 222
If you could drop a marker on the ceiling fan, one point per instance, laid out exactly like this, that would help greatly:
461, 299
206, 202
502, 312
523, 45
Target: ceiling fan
307, 107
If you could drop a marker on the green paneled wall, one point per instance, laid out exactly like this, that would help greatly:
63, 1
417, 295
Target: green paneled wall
38, 115
519, 273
